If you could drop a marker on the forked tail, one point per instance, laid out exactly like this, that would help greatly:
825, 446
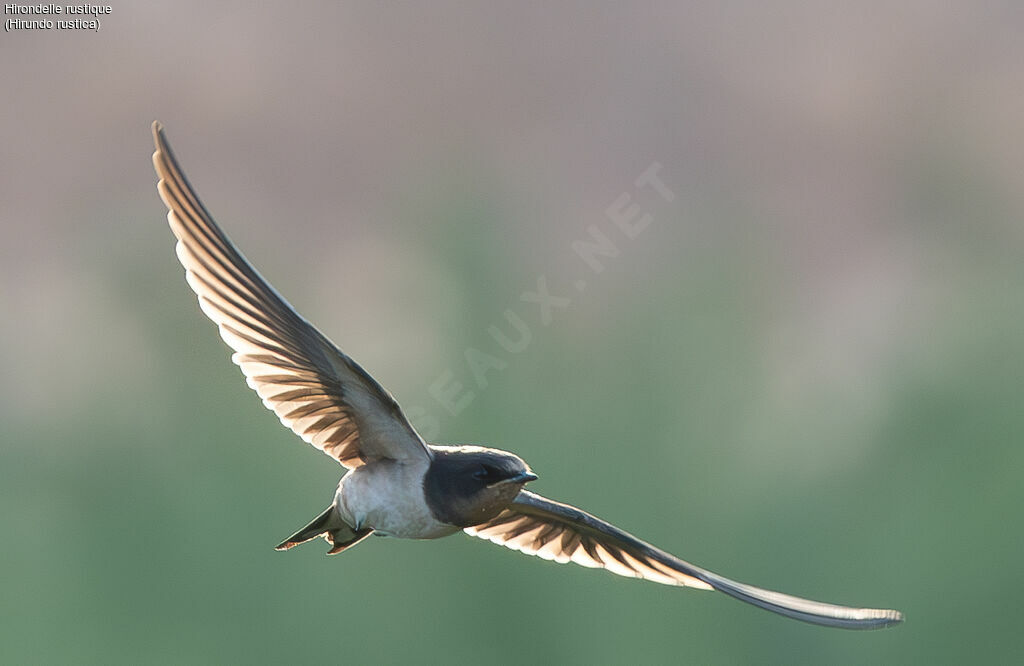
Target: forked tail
331, 527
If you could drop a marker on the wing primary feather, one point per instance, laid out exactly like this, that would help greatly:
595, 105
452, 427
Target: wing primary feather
592, 542
314, 388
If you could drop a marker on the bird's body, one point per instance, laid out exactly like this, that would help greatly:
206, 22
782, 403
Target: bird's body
387, 496
396, 484
394, 498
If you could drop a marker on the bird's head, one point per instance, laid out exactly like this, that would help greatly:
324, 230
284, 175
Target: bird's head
468, 485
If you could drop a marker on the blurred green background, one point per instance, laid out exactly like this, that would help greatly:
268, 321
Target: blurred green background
805, 373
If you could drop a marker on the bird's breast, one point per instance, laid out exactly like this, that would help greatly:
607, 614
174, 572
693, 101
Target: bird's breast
388, 497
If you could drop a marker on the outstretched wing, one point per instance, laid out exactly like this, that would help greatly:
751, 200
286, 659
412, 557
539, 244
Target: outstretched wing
314, 388
538, 526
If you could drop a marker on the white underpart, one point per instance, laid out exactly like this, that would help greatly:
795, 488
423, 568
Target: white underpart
387, 496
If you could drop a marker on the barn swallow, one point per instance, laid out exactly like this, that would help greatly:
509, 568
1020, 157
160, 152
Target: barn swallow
396, 484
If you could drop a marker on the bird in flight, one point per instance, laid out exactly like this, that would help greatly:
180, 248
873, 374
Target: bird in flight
396, 484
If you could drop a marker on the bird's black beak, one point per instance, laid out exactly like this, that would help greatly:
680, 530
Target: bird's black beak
525, 477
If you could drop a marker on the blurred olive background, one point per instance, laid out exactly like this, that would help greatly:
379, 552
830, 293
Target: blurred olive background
805, 372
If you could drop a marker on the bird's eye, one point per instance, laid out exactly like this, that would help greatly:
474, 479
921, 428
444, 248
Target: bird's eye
484, 472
